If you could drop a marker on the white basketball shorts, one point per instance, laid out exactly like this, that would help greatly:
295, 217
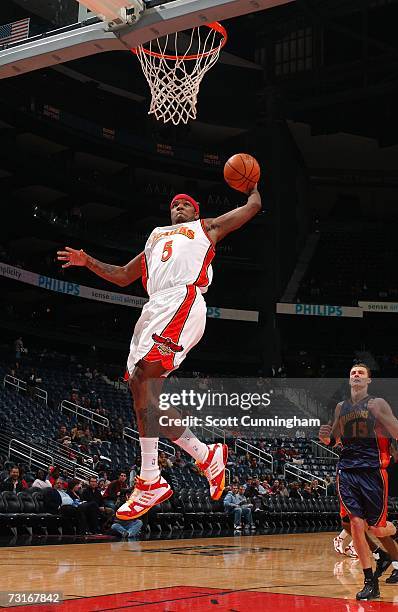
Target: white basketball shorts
171, 323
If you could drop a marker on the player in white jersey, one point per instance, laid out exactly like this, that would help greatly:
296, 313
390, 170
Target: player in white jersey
176, 270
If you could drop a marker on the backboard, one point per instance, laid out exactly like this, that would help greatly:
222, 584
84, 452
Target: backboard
81, 40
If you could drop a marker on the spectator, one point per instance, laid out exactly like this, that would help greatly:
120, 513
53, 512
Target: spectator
52, 500
249, 482
267, 487
19, 348
177, 460
14, 482
295, 492
306, 492
115, 490
93, 494
280, 459
54, 473
275, 487
74, 398
41, 481
86, 401
31, 383
68, 508
67, 443
87, 508
96, 463
331, 487
88, 436
77, 434
127, 529
236, 505
164, 462
283, 490
254, 464
14, 371
261, 490
245, 503
314, 488
22, 476
62, 434
255, 493
104, 476
231, 456
83, 439
101, 485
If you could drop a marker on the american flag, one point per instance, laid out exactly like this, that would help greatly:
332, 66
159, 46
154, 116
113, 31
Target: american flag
13, 32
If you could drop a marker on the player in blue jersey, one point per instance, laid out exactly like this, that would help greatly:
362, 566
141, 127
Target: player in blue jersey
364, 425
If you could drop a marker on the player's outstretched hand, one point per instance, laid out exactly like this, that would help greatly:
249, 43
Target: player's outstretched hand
252, 189
72, 257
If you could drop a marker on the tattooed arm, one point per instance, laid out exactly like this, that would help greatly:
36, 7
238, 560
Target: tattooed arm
221, 226
120, 275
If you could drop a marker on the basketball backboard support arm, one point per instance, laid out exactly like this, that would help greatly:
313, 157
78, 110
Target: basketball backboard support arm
64, 46
116, 12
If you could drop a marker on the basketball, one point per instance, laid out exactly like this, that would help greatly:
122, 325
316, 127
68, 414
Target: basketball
242, 172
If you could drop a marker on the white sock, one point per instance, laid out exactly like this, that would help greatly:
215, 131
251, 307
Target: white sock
194, 447
343, 534
395, 564
149, 459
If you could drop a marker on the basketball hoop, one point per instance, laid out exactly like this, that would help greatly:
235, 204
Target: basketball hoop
174, 67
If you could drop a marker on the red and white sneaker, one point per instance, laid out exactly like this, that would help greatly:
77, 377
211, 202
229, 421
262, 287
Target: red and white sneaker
214, 468
350, 551
338, 544
143, 498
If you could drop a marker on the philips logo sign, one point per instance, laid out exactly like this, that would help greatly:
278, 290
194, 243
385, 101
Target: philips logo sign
322, 310
53, 284
319, 310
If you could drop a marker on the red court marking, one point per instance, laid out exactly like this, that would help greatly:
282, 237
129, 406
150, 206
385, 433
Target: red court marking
199, 599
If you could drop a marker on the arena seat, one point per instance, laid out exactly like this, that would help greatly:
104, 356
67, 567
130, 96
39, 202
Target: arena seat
4, 517
166, 517
50, 521
31, 518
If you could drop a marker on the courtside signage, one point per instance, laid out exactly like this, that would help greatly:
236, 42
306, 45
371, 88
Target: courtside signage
111, 297
379, 306
319, 310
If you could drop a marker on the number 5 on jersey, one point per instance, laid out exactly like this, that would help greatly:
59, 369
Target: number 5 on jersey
167, 251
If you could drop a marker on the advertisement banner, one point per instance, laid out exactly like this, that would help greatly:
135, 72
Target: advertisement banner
379, 306
319, 310
110, 297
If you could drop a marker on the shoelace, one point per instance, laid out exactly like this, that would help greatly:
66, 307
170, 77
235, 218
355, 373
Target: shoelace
135, 494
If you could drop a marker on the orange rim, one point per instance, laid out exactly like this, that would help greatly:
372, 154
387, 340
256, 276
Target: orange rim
216, 26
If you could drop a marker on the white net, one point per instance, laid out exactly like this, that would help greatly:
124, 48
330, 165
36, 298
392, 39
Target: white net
174, 67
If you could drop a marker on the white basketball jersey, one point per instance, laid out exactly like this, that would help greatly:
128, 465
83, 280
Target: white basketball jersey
178, 255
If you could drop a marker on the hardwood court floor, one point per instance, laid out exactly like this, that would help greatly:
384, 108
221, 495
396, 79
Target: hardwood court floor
235, 574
